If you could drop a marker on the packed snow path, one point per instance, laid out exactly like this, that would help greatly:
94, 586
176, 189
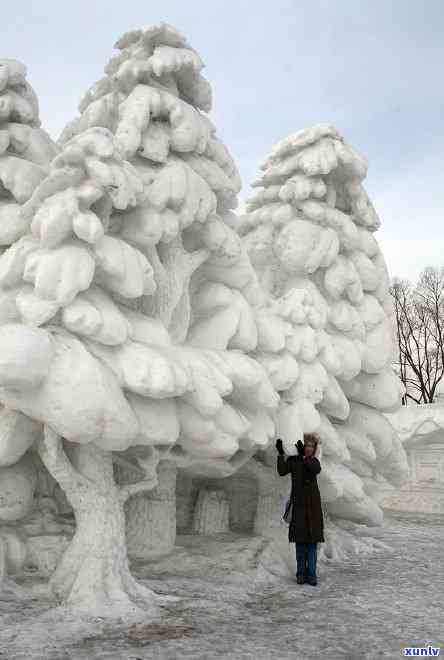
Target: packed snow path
368, 609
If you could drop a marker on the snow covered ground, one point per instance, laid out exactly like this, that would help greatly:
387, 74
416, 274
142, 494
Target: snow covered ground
230, 606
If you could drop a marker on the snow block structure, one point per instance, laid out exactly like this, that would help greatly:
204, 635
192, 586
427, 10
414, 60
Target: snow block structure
421, 431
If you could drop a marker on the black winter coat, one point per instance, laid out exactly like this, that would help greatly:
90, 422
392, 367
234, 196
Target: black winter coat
307, 524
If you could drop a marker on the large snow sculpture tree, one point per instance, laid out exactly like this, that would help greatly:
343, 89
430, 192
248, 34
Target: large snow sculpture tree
122, 237
309, 233
152, 100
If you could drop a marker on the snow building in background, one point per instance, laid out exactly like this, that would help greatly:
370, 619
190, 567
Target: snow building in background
421, 430
309, 233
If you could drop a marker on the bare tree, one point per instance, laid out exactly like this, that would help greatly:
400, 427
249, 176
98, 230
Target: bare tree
419, 316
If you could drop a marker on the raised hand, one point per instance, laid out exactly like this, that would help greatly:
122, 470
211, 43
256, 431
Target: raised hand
300, 448
279, 447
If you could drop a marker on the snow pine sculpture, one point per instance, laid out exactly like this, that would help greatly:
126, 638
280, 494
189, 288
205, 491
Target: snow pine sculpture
109, 281
309, 234
151, 99
25, 153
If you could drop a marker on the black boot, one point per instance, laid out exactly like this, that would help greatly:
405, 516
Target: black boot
311, 580
300, 579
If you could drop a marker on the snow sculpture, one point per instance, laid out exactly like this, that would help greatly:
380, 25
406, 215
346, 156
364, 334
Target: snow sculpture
212, 512
255, 496
309, 234
125, 256
150, 516
17, 485
141, 333
25, 153
13, 552
211, 183
421, 430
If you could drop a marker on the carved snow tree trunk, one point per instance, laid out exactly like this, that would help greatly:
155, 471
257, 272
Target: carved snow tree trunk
93, 575
266, 511
173, 267
212, 512
2, 560
151, 517
268, 500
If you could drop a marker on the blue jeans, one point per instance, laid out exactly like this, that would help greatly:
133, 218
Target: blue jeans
308, 550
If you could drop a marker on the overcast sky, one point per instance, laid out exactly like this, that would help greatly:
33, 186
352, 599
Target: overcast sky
373, 68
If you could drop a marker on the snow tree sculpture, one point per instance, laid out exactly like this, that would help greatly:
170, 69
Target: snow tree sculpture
173, 142
109, 277
25, 153
309, 234
25, 149
138, 326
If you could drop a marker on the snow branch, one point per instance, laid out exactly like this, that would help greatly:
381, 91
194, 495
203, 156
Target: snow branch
173, 267
143, 486
128, 465
52, 453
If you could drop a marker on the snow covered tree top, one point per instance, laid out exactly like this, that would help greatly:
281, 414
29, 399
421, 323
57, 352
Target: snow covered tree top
160, 55
18, 101
25, 149
152, 99
305, 170
317, 150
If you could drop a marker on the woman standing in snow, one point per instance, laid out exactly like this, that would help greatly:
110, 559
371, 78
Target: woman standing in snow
307, 522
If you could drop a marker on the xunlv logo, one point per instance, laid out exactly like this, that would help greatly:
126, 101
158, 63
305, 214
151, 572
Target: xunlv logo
421, 650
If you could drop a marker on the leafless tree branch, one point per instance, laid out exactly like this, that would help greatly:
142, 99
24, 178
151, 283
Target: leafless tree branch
419, 316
